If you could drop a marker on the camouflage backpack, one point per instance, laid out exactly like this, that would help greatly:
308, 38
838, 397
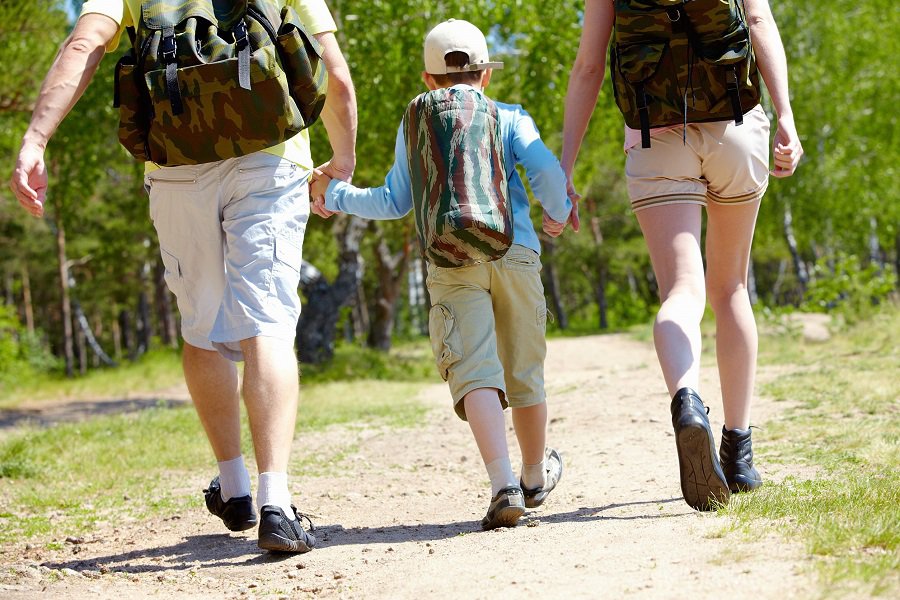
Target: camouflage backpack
458, 177
682, 61
207, 80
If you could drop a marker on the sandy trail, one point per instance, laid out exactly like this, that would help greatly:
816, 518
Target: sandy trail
400, 516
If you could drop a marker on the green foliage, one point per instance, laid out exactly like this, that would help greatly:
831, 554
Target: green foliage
22, 356
410, 361
841, 285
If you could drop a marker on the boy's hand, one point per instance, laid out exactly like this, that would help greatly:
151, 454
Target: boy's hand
318, 187
551, 227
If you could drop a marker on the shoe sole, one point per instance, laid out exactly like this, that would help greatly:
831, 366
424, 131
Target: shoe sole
276, 543
703, 489
538, 499
508, 516
242, 526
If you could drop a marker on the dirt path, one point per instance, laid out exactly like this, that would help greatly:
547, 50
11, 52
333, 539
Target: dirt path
401, 517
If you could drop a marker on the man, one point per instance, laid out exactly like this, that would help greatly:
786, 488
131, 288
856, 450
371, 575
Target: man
246, 214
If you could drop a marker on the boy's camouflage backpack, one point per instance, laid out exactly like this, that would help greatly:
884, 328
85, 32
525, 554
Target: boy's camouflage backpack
213, 79
458, 177
682, 61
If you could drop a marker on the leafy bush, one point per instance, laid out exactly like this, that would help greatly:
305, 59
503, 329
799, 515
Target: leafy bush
21, 353
847, 288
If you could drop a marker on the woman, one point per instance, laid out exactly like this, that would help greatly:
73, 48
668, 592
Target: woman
723, 167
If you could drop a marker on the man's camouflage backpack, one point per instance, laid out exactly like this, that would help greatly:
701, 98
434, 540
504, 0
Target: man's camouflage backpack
458, 177
213, 79
682, 61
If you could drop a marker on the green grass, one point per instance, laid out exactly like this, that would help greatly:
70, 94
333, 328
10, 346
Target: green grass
64, 480
839, 428
153, 371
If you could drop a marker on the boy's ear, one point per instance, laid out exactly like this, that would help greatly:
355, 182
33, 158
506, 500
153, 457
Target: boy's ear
430, 83
486, 78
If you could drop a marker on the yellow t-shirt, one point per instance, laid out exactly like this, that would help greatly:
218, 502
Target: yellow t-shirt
313, 13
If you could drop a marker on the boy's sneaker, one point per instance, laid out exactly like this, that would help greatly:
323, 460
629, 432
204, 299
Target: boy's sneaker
237, 514
554, 468
736, 455
278, 533
702, 481
505, 509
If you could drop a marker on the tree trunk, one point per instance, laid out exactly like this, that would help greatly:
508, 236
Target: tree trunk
799, 265
551, 282
27, 305
8, 288
318, 320
128, 344
117, 339
65, 306
600, 294
168, 330
391, 271
897, 258
361, 320
143, 325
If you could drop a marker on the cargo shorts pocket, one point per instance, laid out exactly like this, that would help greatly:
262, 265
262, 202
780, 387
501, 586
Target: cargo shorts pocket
446, 342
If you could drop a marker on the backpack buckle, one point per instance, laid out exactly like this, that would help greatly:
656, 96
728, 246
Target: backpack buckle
168, 49
240, 35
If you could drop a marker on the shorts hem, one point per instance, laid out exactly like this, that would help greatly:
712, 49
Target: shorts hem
644, 203
748, 198
460, 394
525, 403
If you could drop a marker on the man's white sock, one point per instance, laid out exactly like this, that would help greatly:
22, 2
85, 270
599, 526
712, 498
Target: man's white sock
273, 491
501, 475
234, 478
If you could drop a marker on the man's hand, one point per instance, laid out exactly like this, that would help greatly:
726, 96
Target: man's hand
318, 187
786, 148
29, 179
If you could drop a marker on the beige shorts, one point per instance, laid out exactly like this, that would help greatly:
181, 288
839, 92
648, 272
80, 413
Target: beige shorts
487, 325
719, 162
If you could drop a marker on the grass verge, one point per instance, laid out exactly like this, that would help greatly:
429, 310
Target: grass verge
841, 415
65, 480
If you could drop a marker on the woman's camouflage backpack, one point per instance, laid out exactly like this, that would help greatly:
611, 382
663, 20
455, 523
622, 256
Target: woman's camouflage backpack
458, 177
682, 61
213, 79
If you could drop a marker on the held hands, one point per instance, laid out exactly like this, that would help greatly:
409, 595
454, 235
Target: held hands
786, 148
29, 179
321, 178
555, 228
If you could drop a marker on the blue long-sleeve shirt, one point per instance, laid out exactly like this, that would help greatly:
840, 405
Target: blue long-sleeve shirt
521, 144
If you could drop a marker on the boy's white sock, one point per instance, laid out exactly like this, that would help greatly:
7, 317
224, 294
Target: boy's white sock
273, 491
501, 475
234, 478
534, 476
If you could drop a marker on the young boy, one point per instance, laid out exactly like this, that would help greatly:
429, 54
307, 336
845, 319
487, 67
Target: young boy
487, 321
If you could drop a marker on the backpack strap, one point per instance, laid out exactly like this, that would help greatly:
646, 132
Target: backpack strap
167, 50
644, 113
734, 91
243, 47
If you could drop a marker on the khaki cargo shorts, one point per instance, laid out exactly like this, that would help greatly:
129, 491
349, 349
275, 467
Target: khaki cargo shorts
487, 325
719, 162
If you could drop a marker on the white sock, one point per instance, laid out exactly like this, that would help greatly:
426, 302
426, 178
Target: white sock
534, 476
501, 475
273, 491
234, 478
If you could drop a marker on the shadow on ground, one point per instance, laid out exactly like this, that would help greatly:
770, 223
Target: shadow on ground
72, 412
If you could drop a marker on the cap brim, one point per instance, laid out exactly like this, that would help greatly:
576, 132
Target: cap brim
475, 67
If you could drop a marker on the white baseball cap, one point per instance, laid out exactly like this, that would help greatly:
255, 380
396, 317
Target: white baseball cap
456, 35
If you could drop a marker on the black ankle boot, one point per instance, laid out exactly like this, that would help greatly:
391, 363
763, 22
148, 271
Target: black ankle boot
702, 481
736, 454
